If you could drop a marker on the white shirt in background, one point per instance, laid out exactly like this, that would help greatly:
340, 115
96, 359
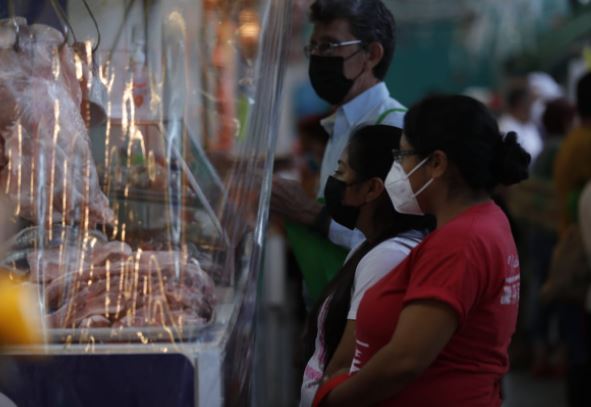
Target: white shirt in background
528, 134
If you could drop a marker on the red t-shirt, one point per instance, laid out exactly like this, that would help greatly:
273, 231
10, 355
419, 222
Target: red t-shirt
471, 264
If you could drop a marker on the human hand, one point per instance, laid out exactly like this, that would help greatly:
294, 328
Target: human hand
339, 372
325, 396
289, 199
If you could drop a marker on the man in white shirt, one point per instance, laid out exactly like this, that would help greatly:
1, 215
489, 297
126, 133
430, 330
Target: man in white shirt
350, 51
519, 119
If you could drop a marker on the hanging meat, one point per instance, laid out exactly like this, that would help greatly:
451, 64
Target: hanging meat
47, 167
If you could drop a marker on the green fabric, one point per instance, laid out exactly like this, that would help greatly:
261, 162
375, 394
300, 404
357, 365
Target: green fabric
318, 258
387, 112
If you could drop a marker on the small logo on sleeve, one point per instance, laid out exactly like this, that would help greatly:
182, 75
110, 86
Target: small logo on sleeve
359, 349
512, 282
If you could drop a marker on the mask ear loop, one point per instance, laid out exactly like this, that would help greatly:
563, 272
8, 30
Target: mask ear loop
383, 181
359, 182
423, 187
351, 56
419, 165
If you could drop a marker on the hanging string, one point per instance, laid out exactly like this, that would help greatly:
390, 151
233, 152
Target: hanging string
98, 31
63, 19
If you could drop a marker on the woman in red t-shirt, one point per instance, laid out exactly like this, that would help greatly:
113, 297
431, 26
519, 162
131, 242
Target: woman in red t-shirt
435, 331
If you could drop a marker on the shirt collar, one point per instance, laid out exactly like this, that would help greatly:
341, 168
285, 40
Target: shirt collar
355, 110
328, 123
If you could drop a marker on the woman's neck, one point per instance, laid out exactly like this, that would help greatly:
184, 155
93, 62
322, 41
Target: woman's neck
452, 207
371, 229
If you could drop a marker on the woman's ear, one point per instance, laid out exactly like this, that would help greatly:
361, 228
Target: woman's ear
376, 188
438, 164
375, 51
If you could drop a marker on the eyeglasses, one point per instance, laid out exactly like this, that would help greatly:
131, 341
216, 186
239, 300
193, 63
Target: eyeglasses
399, 154
326, 48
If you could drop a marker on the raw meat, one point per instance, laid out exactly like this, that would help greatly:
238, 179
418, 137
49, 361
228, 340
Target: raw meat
109, 282
112, 251
49, 172
95, 321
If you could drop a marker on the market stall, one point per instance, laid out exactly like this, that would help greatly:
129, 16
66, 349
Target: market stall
138, 140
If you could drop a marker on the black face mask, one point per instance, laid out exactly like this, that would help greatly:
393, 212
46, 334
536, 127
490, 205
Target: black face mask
328, 78
334, 191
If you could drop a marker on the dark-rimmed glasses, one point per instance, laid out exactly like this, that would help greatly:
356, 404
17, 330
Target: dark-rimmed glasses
399, 154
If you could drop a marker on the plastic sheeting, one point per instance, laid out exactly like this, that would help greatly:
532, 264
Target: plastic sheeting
142, 234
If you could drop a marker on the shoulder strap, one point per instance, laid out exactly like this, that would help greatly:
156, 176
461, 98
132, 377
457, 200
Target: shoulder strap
387, 112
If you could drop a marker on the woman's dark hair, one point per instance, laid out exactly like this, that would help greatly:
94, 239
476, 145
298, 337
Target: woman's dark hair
370, 21
469, 135
370, 155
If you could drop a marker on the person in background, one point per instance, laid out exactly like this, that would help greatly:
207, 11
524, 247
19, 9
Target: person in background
518, 118
544, 89
572, 171
436, 330
585, 225
572, 168
349, 53
557, 119
568, 285
356, 197
310, 147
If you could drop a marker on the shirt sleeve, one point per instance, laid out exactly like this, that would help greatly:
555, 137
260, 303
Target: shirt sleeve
395, 119
373, 267
447, 276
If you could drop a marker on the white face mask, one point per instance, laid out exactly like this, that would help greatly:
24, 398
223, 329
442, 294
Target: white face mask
400, 191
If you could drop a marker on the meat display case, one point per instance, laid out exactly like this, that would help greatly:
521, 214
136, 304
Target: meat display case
137, 161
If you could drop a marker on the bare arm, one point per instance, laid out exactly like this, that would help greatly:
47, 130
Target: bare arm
343, 355
289, 199
423, 330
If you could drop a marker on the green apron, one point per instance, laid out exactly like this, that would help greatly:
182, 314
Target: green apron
318, 258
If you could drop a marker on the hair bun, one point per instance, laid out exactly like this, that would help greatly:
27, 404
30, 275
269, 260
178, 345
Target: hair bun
511, 164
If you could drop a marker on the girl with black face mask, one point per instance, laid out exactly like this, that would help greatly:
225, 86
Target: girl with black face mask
356, 197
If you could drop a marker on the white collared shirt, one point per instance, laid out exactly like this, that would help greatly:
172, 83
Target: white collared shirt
364, 109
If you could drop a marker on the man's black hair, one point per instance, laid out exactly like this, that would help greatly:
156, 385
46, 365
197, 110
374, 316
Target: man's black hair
517, 96
370, 21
